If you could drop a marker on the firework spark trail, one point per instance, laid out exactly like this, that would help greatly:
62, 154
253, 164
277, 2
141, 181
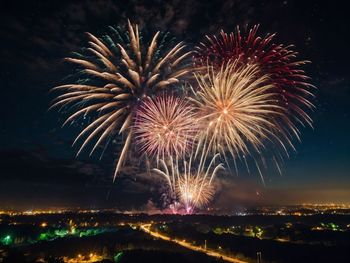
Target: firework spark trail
237, 110
115, 73
250, 95
293, 91
278, 61
165, 126
192, 187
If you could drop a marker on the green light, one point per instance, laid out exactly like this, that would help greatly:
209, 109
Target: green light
91, 232
218, 230
43, 236
61, 233
7, 240
118, 257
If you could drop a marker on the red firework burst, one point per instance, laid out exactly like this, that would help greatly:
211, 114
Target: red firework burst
278, 61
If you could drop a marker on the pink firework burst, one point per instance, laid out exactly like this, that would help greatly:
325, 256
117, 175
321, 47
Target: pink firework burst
278, 61
165, 126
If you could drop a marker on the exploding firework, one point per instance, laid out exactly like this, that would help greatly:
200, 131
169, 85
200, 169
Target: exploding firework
194, 192
115, 73
278, 61
237, 110
165, 126
190, 182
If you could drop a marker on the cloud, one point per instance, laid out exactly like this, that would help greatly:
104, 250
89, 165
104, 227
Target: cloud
37, 168
35, 44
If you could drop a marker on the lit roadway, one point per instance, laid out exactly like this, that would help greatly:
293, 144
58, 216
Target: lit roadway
146, 228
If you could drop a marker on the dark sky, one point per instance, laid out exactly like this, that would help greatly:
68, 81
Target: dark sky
38, 167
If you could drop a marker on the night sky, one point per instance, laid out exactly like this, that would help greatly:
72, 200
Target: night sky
38, 168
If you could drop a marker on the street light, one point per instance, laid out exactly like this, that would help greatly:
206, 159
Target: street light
258, 257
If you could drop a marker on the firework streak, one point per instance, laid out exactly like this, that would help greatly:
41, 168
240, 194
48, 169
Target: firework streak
241, 96
115, 74
190, 182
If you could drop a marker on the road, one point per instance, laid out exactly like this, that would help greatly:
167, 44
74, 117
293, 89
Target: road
146, 228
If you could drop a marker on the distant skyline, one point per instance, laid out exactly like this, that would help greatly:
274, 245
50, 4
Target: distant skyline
38, 167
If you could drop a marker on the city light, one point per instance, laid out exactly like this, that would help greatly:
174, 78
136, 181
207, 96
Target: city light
6, 240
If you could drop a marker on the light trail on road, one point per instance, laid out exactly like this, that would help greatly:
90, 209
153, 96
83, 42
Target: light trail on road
146, 228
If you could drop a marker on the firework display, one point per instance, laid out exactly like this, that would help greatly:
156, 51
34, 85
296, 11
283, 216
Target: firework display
115, 73
194, 192
236, 107
241, 94
190, 182
278, 61
165, 126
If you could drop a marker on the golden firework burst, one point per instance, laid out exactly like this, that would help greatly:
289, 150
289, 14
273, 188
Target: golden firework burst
115, 73
237, 109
